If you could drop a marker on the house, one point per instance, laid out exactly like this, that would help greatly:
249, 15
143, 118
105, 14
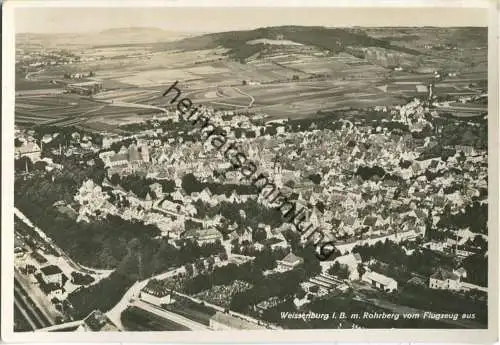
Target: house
19, 252
156, 189
157, 293
241, 235
177, 195
238, 259
465, 250
349, 223
444, 280
461, 272
435, 246
289, 262
275, 242
175, 206
205, 195
380, 281
351, 261
202, 236
29, 149
39, 258
370, 221
52, 274
224, 322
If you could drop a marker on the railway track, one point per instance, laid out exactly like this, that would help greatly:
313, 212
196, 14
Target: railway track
28, 309
26, 318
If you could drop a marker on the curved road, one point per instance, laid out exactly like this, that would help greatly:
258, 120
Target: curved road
114, 314
192, 325
28, 75
252, 100
61, 327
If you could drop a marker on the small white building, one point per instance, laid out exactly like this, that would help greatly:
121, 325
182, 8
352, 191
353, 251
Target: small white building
436, 246
350, 260
289, 262
380, 281
461, 272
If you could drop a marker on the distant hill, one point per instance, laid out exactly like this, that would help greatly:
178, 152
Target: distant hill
109, 37
463, 37
334, 40
133, 30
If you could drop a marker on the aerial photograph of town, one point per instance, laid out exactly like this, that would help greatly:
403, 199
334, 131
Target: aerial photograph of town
247, 174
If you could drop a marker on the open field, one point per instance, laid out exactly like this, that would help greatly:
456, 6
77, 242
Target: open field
66, 110
296, 99
284, 99
293, 77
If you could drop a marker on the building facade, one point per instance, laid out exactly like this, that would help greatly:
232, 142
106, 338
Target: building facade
380, 281
444, 280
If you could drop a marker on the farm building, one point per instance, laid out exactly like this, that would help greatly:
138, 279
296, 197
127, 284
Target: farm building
51, 274
85, 88
380, 281
289, 262
445, 280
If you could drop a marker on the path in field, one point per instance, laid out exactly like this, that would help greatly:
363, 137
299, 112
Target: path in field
73, 118
135, 105
246, 94
31, 73
252, 100
230, 105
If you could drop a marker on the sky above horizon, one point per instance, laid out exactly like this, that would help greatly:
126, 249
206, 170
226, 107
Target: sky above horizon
213, 19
